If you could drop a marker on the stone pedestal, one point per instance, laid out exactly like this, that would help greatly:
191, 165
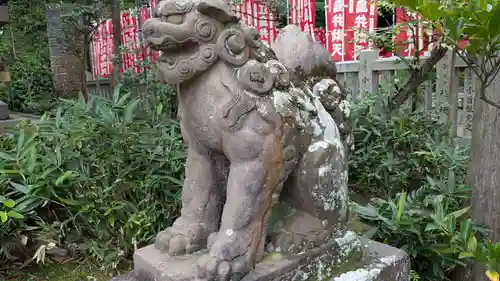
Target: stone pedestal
4, 111
349, 258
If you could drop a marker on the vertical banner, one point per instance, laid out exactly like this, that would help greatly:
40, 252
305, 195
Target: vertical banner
335, 24
320, 35
256, 14
252, 12
129, 41
143, 51
303, 15
265, 23
108, 49
361, 19
96, 51
409, 41
153, 54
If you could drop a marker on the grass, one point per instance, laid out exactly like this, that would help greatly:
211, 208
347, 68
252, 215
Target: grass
61, 272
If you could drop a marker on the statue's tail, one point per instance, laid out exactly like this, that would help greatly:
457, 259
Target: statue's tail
304, 58
312, 66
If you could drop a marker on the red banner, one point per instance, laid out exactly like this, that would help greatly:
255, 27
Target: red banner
320, 35
347, 27
335, 28
361, 19
348, 23
253, 13
303, 15
407, 43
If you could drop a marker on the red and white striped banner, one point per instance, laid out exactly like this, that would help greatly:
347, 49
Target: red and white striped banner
347, 25
361, 19
303, 15
335, 28
256, 14
320, 35
252, 13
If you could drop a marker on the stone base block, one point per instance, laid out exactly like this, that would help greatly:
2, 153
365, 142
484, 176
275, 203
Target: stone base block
381, 262
346, 259
13, 119
4, 111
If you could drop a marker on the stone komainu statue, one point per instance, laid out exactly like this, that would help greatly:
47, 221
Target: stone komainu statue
257, 135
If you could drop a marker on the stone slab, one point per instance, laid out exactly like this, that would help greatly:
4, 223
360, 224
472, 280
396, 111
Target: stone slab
380, 263
272, 268
4, 111
14, 119
355, 259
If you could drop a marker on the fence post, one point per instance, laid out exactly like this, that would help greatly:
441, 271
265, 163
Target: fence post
368, 83
443, 73
428, 90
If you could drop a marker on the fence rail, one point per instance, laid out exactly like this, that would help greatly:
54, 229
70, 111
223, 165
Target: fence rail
367, 74
101, 87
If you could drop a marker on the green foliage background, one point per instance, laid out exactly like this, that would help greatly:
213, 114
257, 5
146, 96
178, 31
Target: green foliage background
101, 179
23, 45
98, 178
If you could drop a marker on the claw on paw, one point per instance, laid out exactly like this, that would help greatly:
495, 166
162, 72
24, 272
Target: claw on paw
178, 241
214, 269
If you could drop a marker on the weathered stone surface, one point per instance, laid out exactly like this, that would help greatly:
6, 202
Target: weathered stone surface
255, 138
136, 275
319, 262
14, 119
304, 57
259, 135
381, 263
4, 111
4, 14
344, 259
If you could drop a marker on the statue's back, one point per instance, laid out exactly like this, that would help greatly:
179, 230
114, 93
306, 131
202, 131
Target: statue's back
302, 56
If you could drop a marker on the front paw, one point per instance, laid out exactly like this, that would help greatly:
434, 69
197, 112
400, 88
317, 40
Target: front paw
178, 240
215, 269
230, 257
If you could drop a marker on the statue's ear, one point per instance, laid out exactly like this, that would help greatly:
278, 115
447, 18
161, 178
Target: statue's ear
217, 9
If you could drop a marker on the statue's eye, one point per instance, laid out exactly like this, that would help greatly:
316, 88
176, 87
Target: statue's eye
174, 19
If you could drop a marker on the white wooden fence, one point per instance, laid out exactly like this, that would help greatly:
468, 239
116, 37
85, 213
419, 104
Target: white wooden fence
365, 76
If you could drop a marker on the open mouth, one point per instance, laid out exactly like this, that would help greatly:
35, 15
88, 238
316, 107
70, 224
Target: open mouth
171, 53
169, 45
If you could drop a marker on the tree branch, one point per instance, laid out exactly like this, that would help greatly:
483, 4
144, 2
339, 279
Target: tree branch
417, 76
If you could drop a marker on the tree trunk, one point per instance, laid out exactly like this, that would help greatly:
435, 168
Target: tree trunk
117, 29
86, 51
484, 167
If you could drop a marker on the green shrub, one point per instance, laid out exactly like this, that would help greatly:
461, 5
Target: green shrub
31, 89
395, 148
102, 177
430, 223
405, 160
24, 46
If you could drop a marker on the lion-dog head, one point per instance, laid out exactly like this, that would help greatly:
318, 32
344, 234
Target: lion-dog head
194, 34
